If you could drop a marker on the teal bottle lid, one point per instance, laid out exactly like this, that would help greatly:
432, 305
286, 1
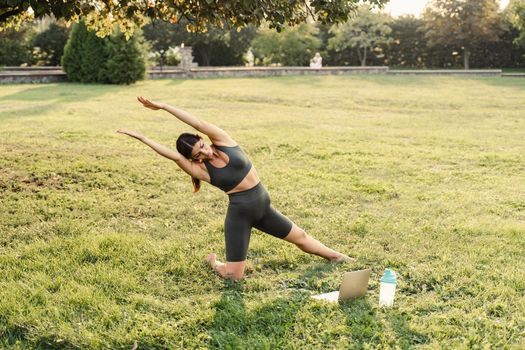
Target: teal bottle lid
389, 277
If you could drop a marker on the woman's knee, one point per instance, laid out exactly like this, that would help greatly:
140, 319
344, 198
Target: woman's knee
298, 236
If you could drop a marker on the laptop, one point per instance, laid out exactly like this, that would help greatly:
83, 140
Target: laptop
354, 285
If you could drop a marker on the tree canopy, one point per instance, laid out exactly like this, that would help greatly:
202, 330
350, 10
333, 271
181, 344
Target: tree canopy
294, 46
463, 24
102, 15
517, 8
366, 32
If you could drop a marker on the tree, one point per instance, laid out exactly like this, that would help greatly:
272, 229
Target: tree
294, 46
51, 43
501, 53
217, 46
367, 31
91, 59
300, 44
125, 63
462, 24
267, 47
14, 47
102, 15
408, 47
517, 9
161, 36
85, 55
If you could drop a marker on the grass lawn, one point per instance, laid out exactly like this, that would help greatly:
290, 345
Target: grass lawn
513, 70
102, 242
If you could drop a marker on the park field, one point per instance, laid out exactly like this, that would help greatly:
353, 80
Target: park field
102, 242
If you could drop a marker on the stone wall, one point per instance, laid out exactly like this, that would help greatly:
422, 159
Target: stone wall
476, 72
214, 72
33, 77
12, 75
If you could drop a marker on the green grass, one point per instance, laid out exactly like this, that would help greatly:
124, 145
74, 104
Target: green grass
102, 242
513, 70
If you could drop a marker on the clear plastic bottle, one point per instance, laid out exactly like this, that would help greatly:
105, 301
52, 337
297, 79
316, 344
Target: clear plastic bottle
387, 288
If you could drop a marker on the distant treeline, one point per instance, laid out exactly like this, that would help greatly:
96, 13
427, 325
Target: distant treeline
480, 36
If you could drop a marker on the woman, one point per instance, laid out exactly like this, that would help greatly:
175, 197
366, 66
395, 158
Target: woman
224, 165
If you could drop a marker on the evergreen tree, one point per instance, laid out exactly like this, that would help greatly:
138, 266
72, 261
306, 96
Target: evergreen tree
71, 62
126, 63
84, 56
91, 59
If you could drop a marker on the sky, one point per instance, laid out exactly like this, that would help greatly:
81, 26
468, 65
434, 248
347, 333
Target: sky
414, 7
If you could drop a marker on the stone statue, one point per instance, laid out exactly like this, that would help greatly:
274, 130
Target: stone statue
316, 61
249, 58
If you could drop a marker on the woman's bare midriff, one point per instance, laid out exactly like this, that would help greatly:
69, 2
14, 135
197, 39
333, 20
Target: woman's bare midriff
250, 181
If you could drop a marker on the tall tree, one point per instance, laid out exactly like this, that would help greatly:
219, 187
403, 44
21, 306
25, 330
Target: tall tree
90, 59
463, 24
408, 47
84, 56
294, 46
102, 15
517, 14
366, 32
14, 47
125, 64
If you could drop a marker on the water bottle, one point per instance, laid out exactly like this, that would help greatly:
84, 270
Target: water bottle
387, 288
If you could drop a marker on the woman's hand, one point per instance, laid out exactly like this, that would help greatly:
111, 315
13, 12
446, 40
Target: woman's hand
133, 134
151, 104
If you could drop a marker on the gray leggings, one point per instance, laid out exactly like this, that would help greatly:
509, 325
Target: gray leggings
249, 209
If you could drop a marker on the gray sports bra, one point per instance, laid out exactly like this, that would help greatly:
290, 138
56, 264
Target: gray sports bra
229, 176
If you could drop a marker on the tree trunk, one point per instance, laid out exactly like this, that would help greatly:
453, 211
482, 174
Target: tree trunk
466, 56
362, 57
162, 60
205, 57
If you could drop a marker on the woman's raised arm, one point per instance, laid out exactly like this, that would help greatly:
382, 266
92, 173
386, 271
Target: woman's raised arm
189, 167
216, 134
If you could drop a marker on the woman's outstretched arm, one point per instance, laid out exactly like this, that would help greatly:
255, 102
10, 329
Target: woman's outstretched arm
157, 147
188, 167
216, 134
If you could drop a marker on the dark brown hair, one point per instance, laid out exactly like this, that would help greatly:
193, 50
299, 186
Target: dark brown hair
185, 144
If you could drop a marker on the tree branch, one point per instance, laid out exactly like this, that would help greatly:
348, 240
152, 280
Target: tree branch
306, 3
5, 16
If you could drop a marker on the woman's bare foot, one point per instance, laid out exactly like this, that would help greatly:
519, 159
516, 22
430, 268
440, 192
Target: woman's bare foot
211, 259
342, 258
217, 266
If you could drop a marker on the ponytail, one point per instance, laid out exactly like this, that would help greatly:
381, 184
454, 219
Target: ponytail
196, 184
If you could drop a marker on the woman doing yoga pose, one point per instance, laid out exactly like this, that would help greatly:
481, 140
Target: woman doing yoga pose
224, 165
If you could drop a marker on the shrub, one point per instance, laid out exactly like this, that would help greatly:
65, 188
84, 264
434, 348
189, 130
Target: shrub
114, 60
125, 63
14, 48
50, 44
